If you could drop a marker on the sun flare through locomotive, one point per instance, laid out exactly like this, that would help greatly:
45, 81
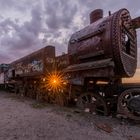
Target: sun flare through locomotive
55, 81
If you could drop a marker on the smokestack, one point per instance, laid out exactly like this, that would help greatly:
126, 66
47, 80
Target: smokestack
96, 15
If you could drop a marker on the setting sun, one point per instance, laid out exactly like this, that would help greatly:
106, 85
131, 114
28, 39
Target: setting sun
134, 79
55, 81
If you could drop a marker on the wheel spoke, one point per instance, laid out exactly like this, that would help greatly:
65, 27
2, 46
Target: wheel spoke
94, 102
125, 100
87, 100
130, 94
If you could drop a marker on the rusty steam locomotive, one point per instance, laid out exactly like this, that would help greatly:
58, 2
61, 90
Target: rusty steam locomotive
99, 56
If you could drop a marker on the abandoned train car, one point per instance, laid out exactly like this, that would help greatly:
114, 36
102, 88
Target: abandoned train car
99, 56
27, 75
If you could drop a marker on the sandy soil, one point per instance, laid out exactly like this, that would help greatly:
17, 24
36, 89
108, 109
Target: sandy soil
25, 119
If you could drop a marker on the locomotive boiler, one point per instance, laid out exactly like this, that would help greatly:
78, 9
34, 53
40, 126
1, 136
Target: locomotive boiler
110, 40
100, 55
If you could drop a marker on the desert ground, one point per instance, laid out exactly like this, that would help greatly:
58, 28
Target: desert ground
26, 119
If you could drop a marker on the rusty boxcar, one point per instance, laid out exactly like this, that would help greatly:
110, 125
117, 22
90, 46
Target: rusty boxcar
34, 64
27, 75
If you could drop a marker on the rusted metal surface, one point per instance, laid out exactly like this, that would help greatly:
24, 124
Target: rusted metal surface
124, 43
61, 62
112, 37
96, 15
30, 75
105, 51
100, 68
90, 65
34, 64
105, 127
136, 22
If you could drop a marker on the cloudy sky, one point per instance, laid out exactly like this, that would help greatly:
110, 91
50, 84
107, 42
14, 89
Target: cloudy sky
28, 25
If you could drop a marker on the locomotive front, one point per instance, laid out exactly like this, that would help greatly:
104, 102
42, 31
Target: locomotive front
100, 55
109, 39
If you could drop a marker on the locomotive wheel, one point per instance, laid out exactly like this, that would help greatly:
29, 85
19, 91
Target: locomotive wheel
129, 104
92, 103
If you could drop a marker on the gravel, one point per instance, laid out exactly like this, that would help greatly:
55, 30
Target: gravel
26, 119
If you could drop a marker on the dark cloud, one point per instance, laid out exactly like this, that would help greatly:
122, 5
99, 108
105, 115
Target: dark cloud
23, 36
55, 19
21, 5
60, 13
